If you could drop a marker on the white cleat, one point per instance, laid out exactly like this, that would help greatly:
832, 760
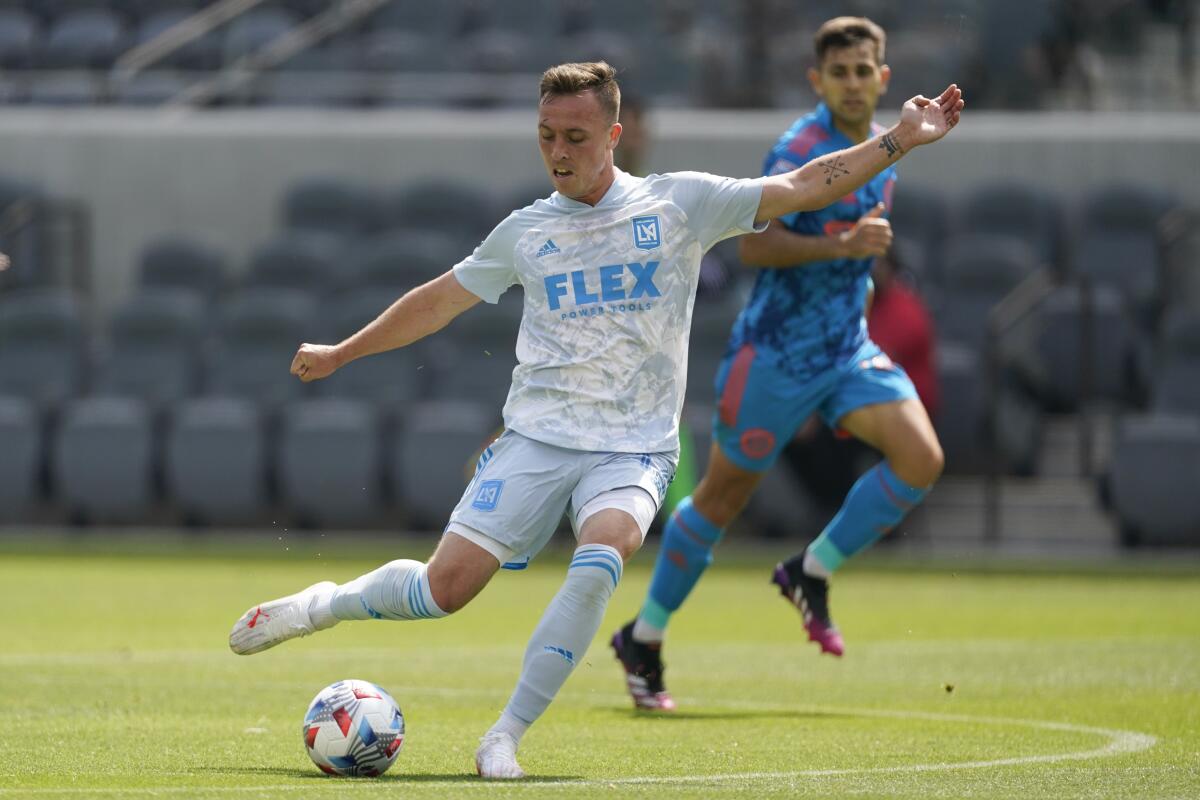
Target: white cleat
496, 757
275, 621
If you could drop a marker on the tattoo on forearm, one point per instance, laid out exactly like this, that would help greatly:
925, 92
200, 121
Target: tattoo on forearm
834, 169
888, 142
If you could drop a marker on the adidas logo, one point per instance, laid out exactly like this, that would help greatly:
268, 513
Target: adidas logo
548, 249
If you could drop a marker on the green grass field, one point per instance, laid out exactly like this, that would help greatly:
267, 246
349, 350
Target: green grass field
116, 681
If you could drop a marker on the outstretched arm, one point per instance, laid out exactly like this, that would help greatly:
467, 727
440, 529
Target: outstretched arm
821, 182
417, 314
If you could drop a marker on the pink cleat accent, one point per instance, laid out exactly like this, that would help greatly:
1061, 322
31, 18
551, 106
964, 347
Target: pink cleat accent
810, 596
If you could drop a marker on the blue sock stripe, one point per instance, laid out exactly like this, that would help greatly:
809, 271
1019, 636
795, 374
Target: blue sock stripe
412, 597
613, 564
604, 553
604, 565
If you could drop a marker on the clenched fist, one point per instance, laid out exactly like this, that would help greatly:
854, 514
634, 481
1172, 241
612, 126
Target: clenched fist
871, 236
315, 361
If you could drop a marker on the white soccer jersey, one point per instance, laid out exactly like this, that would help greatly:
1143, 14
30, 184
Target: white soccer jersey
609, 289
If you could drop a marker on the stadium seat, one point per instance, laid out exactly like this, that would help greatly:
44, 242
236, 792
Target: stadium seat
1058, 341
215, 461
433, 21
18, 39
1019, 211
433, 457
1182, 260
154, 348
330, 461
978, 272
393, 379
922, 215
396, 261
435, 204
393, 50
1155, 479
41, 346
254, 30
1176, 382
257, 337
86, 39
315, 89
183, 263
103, 459
485, 341
201, 53
22, 244
336, 205
309, 260
20, 457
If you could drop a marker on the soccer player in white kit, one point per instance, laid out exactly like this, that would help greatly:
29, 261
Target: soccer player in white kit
609, 265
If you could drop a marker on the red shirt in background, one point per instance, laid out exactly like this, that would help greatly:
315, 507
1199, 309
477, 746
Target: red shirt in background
899, 323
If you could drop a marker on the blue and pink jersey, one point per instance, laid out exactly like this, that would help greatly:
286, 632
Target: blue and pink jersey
808, 320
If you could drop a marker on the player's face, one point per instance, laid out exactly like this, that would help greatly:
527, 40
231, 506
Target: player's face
577, 141
850, 80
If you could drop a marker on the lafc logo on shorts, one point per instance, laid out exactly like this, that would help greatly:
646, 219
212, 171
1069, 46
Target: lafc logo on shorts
488, 495
646, 233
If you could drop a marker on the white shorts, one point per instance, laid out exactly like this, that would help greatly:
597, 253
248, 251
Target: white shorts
522, 488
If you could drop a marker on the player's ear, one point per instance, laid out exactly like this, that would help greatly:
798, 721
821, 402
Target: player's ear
614, 135
885, 75
814, 79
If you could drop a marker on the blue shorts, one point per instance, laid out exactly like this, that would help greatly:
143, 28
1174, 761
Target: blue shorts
760, 407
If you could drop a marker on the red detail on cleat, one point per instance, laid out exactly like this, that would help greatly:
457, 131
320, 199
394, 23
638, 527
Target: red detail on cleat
310, 737
362, 694
327, 770
342, 718
258, 612
394, 746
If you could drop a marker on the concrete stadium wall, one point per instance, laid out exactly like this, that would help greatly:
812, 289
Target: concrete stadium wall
220, 175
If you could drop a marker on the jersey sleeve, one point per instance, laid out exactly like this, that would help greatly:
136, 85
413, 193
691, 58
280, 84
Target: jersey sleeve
491, 269
717, 207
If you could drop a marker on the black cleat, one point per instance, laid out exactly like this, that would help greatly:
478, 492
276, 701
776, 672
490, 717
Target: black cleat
811, 596
643, 671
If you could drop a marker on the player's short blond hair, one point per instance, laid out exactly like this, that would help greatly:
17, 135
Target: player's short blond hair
842, 32
596, 76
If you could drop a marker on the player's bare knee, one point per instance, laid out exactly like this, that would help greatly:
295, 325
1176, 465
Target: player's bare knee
920, 464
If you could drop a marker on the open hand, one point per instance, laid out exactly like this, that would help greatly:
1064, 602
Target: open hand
928, 120
315, 361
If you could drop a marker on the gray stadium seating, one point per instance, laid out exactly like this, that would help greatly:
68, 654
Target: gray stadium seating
154, 348
103, 459
149, 88
85, 39
433, 204
399, 260
921, 215
978, 272
1156, 479
330, 204
392, 379
433, 457
1058, 348
391, 50
1176, 382
19, 457
1019, 211
64, 89
201, 53
18, 39
41, 346
329, 461
216, 461
257, 338
309, 260
22, 245
181, 262
253, 30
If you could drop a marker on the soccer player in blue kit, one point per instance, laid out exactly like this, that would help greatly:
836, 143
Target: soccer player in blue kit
799, 346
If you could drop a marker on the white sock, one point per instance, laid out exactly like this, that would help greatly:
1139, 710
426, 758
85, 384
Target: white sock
397, 590
568, 626
510, 725
813, 566
646, 633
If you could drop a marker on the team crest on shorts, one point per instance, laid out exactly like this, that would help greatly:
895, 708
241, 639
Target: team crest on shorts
646, 232
488, 495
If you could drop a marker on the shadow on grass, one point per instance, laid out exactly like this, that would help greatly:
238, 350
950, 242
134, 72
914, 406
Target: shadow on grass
686, 715
392, 776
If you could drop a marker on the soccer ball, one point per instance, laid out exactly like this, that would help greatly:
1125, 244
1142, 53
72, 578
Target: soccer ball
353, 728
